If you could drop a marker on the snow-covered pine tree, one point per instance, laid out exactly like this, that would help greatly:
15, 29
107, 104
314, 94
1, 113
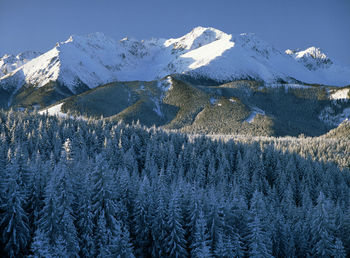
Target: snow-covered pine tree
15, 233
257, 240
322, 228
200, 244
104, 209
142, 219
176, 234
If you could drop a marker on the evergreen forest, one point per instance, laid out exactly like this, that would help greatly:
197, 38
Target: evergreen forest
100, 188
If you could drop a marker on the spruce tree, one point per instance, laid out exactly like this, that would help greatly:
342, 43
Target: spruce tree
200, 244
322, 228
257, 240
176, 234
15, 233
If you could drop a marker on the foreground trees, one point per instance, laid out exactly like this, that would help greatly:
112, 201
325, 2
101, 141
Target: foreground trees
75, 188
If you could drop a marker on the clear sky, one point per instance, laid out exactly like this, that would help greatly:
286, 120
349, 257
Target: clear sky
39, 24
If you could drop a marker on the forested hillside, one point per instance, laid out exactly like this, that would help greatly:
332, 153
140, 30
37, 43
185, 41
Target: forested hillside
101, 189
246, 107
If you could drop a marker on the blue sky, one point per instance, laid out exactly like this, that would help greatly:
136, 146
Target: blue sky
39, 24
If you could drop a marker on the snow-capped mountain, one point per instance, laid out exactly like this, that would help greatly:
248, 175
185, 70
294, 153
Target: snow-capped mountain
313, 58
95, 59
321, 65
8, 63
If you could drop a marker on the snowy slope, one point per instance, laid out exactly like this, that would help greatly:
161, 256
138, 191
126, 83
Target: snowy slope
8, 63
322, 66
95, 59
340, 94
313, 58
87, 60
53, 111
56, 110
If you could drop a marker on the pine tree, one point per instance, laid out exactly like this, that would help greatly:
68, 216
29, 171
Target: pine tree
103, 241
15, 233
159, 227
104, 209
200, 244
65, 200
321, 228
49, 217
123, 246
176, 240
142, 219
194, 209
215, 217
85, 222
257, 240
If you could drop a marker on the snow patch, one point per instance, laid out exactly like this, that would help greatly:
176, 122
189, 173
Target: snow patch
340, 94
256, 111
54, 111
165, 85
157, 107
204, 55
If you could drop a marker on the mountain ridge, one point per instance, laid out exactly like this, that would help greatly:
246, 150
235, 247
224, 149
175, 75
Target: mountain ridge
96, 59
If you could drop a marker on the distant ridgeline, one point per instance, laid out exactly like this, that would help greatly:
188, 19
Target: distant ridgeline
102, 188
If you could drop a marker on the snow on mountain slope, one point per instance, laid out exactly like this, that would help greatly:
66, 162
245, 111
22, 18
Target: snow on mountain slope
243, 56
53, 111
322, 66
95, 59
256, 111
56, 110
313, 58
88, 60
198, 37
340, 94
8, 63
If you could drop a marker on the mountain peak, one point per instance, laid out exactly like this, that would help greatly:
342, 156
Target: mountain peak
196, 38
312, 52
9, 63
313, 58
208, 30
93, 39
